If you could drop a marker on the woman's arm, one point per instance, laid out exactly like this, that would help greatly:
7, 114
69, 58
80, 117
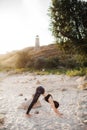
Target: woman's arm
53, 106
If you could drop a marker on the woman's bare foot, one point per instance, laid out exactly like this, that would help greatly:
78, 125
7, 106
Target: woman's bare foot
60, 114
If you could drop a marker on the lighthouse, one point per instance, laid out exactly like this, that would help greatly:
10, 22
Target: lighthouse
37, 42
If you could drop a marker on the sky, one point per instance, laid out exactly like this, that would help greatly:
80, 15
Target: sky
21, 21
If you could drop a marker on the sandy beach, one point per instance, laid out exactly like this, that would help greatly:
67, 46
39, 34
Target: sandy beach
14, 88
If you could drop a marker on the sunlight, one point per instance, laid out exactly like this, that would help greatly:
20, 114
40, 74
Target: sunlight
21, 21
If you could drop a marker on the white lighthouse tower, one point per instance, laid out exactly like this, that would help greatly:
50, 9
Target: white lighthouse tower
37, 42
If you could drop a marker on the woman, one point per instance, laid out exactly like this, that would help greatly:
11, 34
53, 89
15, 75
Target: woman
47, 97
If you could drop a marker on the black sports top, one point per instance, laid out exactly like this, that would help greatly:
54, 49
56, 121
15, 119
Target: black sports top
47, 97
55, 102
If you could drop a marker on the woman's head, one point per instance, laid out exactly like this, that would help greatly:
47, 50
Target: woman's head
56, 104
40, 90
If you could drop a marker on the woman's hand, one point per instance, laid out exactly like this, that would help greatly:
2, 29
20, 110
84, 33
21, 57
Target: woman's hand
28, 115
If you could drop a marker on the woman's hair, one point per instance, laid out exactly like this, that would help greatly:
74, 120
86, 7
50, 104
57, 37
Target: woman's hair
56, 104
39, 90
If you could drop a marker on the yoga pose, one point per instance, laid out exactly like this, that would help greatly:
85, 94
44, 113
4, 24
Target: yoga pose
47, 97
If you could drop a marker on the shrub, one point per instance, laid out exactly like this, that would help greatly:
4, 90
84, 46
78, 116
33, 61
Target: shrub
22, 59
30, 63
70, 63
39, 63
52, 62
81, 60
76, 72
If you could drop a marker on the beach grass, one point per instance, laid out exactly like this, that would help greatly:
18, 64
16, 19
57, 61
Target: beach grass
69, 72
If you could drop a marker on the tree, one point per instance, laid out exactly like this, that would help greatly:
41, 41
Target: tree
69, 21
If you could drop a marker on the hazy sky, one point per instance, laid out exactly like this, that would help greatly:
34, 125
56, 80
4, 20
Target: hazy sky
21, 21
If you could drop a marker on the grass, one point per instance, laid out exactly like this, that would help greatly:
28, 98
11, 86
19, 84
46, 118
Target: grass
68, 72
77, 72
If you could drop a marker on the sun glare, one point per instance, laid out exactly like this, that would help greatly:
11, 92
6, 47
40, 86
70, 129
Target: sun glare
21, 21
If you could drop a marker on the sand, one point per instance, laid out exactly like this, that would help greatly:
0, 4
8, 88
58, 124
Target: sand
14, 88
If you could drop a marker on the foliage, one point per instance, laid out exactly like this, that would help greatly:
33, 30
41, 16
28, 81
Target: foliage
69, 21
47, 58
81, 60
22, 59
52, 62
42, 62
77, 72
39, 63
68, 72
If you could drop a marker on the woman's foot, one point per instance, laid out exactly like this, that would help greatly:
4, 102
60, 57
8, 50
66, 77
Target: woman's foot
60, 114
